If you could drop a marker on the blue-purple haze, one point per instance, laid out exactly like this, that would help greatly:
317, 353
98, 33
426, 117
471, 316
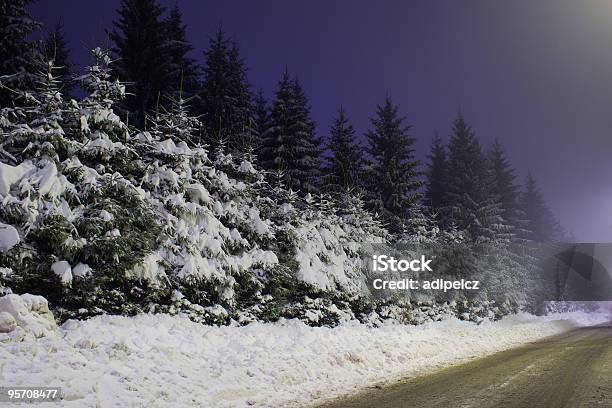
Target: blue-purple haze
535, 75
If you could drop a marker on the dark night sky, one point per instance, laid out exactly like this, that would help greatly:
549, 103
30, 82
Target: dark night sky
535, 75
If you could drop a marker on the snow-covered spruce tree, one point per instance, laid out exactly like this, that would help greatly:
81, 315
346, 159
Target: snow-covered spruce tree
176, 123
115, 227
320, 278
344, 169
214, 234
83, 228
392, 176
35, 196
20, 60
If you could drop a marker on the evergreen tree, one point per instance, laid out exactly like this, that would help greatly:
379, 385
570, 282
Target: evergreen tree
176, 123
261, 115
227, 113
69, 214
290, 145
144, 60
184, 73
504, 186
393, 175
437, 177
305, 171
471, 204
243, 127
541, 225
20, 61
345, 165
56, 49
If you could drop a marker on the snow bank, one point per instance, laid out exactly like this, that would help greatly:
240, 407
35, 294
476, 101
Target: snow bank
160, 361
25, 316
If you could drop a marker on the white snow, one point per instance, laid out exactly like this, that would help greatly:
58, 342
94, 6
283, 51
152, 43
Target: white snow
149, 269
23, 318
9, 237
161, 360
81, 270
10, 175
63, 270
246, 167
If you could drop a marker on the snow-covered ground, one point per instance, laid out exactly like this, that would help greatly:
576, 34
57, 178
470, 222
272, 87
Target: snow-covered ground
161, 361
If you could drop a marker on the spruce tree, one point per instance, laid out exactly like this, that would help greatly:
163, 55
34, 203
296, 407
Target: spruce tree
275, 150
20, 60
56, 49
345, 165
471, 203
243, 127
184, 73
226, 97
305, 171
504, 186
261, 115
393, 173
540, 225
289, 145
144, 58
437, 177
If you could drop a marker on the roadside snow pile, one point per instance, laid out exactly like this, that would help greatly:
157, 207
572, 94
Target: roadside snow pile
161, 360
25, 315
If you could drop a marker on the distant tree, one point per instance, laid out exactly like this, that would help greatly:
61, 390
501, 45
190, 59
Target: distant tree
305, 171
56, 49
437, 177
145, 62
261, 114
393, 174
471, 204
20, 60
540, 225
226, 99
275, 151
289, 145
184, 72
345, 164
504, 186
243, 127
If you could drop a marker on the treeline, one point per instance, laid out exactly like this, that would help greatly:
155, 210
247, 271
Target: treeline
463, 189
150, 183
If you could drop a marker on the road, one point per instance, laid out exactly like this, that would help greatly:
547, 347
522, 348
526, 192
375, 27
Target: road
570, 370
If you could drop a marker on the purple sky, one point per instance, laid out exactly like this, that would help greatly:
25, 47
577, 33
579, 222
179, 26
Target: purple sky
535, 75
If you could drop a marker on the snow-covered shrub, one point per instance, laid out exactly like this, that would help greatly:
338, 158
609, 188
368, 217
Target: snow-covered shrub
69, 213
103, 218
